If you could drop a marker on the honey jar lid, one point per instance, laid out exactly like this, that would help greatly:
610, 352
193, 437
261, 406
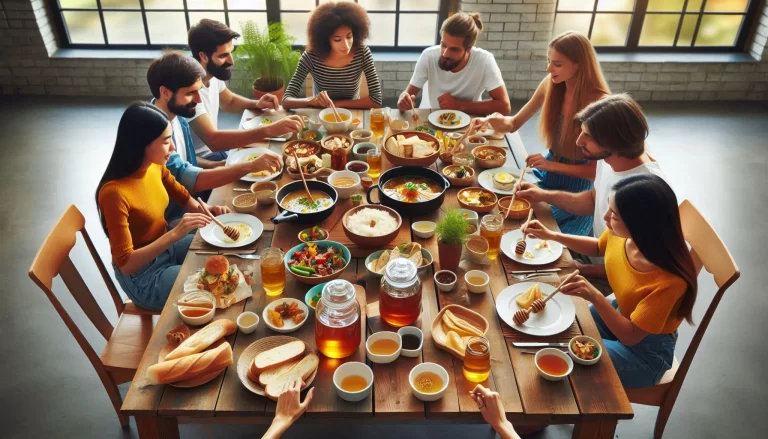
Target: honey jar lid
338, 292
401, 271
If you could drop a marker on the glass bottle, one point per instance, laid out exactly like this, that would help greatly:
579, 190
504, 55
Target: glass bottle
337, 320
400, 296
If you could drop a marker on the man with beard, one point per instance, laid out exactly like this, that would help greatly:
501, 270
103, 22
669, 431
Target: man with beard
455, 74
211, 44
175, 81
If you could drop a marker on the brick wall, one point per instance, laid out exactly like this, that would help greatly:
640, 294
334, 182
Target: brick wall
516, 31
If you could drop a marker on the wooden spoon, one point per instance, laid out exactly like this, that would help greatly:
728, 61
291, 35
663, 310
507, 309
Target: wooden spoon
522, 315
414, 115
521, 244
301, 172
514, 192
230, 231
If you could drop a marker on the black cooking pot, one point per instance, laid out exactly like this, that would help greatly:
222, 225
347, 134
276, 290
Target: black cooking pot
410, 209
286, 215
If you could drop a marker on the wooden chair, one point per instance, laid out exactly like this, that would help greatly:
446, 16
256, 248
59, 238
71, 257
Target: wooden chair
127, 340
708, 252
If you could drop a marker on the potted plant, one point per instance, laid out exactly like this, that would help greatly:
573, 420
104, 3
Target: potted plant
451, 234
267, 56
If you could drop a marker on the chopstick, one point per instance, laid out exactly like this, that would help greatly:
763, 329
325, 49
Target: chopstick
333, 107
414, 115
306, 188
458, 144
525, 225
514, 192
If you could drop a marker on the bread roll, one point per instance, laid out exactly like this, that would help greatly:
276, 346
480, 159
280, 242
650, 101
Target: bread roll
277, 356
203, 338
301, 371
191, 366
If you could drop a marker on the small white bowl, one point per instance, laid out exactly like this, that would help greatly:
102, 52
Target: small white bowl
429, 227
446, 287
398, 125
353, 368
583, 338
474, 141
384, 335
247, 329
361, 136
473, 288
428, 367
364, 172
288, 325
203, 319
336, 127
345, 192
557, 353
411, 330
361, 149
469, 215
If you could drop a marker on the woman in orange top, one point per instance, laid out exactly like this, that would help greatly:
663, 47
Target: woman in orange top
650, 271
131, 199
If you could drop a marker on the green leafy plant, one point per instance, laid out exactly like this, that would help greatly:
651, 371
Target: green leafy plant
452, 229
267, 56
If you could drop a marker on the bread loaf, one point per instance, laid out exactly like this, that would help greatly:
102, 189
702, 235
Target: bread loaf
277, 356
301, 371
192, 366
268, 375
203, 338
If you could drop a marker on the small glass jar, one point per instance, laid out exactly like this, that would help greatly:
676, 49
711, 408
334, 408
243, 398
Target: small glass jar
272, 271
477, 360
338, 330
491, 228
400, 296
463, 159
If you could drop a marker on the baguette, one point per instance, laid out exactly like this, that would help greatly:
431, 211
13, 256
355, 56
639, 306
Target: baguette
203, 338
268, 375
277, 356
301, 371
192, 366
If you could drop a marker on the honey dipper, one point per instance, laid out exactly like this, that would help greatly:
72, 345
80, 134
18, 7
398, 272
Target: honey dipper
521, 315
230, 231
520, 246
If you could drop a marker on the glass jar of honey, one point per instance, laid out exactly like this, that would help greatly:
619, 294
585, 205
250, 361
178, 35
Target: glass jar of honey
400, 297
337, 320
491, 228
477, 360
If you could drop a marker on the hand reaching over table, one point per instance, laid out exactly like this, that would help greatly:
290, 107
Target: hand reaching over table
321, 100
538, 161
529, 191
288, 124
406, 102
190, 222
268, 102
269, 162
538, 230
220, 210
492, 409
498, 122
289, 409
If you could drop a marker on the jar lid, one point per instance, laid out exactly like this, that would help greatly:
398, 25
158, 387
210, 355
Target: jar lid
338, 292
401, 270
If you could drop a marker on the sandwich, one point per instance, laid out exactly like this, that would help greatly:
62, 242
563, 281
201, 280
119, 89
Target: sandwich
504, 181
218, 277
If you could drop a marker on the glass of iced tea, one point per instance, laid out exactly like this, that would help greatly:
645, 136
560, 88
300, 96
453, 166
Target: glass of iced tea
377, 122
273, 271
491, 228
477, 360
373, 156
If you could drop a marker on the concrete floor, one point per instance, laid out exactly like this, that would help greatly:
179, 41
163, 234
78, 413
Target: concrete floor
715, 154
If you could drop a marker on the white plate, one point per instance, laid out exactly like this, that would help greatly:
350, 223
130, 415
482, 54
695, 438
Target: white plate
557, 316
241, 156
485, 178
212, 234
464, 119
288, 325
542, 257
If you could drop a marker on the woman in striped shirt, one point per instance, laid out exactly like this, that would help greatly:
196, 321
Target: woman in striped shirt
337, 59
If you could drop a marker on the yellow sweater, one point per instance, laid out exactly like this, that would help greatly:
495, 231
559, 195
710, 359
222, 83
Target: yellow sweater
134, 209
650, 299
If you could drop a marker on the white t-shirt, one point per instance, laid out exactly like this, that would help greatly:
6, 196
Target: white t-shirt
480, 74
210, 104
178, 139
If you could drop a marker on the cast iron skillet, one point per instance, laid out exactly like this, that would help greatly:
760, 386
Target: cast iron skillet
410, 209
286, 215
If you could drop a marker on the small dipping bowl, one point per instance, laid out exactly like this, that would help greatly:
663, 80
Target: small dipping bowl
416, 332
463, 159
321, 230
384, 335
520, 213
583, 339
423, 229
353, 368
477, 274
361, 149
470, 216
245, 203
197, 320
359, 167
345, 192
473, 141
265, 191
366, 182
428, 367
557, 353
247, 322
477, 247
445, 286
398, 125
361, 136
314, 124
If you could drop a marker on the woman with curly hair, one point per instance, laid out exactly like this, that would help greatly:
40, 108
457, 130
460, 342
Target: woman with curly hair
337, 58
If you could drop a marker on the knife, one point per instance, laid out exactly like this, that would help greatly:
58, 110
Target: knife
241, 252
539, 345
548, 270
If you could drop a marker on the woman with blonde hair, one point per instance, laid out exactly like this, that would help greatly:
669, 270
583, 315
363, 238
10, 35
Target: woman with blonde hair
574, 81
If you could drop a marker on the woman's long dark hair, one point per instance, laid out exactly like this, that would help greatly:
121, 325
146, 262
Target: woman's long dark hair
649, 209
140, 125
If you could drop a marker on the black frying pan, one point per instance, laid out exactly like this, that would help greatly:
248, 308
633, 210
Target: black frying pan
286, 215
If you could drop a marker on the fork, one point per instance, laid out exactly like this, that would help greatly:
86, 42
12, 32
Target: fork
251, 257
529, 275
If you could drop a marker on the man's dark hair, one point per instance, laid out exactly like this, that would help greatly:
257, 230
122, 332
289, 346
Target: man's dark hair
207, 35
173, 70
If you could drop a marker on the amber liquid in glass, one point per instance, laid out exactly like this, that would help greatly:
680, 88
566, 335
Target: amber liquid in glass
273, 276
374, 165
377, 124
400, 311
337, 342
477, 362
494, 241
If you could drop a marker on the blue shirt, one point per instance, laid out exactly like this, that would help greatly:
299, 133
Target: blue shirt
184, 171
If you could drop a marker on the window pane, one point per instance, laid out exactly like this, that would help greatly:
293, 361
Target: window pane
164, 4
258, 18
167, 27
665, 5
205, 4
252, 5
726, 5
84, 27
417, 30
195, 17
615, 5
296, 25
379, 5
576, 22
576, 5
125, 27
659, 30
382, 30
418, 5
694, 5
297, 5
718, 30
610, 29
686, 31
119, 4
78, 4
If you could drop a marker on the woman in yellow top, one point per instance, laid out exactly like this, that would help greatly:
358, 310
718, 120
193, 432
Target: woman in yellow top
131, 199
650, 271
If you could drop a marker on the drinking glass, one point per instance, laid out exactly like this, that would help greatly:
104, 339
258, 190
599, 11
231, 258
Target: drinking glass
373, 156
491, 229
377, 122
273, 271
477, 360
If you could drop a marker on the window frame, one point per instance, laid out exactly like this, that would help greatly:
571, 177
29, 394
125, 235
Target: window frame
272, 10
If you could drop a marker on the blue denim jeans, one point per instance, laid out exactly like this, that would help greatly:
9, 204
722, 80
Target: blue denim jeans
643, 364
150, 285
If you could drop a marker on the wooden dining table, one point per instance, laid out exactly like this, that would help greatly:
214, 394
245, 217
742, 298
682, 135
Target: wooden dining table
592, 397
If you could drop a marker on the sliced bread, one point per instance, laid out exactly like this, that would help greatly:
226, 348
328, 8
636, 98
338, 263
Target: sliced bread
301, 371
277, 356
268, 375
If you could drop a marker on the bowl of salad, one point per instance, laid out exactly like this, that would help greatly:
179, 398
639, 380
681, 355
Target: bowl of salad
312, 234
316, 262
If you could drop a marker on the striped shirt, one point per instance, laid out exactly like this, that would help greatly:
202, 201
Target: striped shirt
340, 83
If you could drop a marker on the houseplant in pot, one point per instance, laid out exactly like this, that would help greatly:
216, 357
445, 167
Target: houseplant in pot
267, 57
451, 234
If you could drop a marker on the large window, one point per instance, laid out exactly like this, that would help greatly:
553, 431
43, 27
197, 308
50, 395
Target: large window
658, 25
400, 24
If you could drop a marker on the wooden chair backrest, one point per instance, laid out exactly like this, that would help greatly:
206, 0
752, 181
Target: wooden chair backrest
53, 259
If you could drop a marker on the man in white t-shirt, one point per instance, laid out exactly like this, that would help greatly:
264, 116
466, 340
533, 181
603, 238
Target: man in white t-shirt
456, 73
211, 44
